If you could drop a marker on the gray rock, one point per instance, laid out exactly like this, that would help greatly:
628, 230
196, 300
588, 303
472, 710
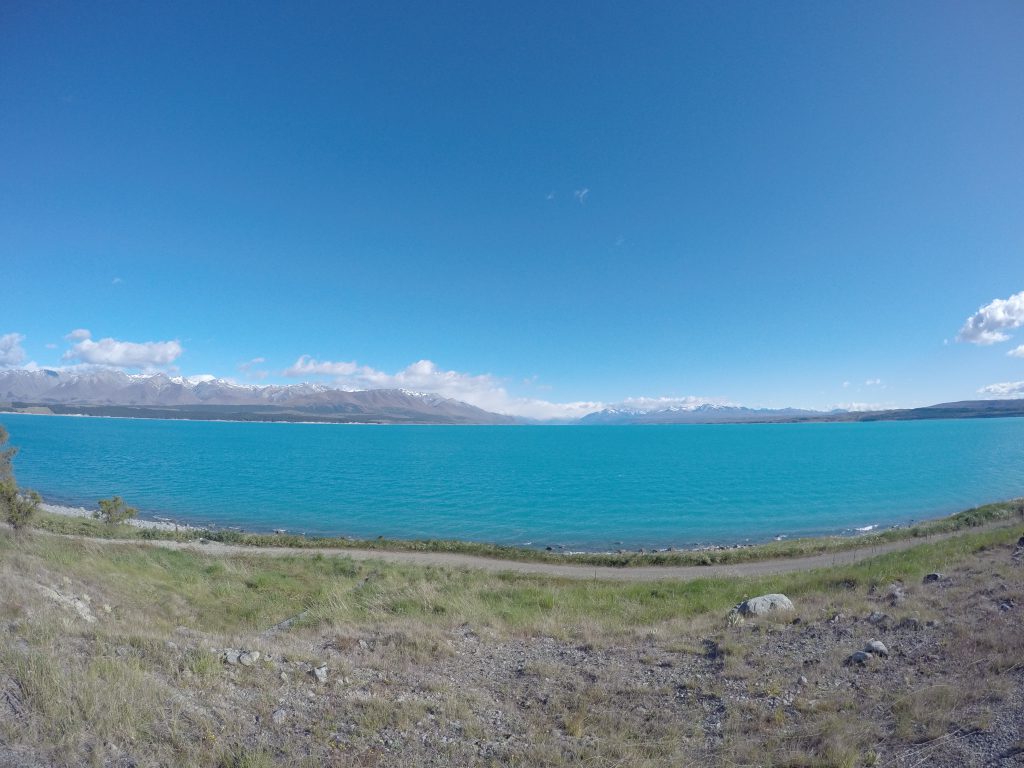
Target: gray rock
320, 673
230, 656
876, 648
801, 681
764, 604
248, 658
910, 623
858, 657
878, 619
932, 577
279, 716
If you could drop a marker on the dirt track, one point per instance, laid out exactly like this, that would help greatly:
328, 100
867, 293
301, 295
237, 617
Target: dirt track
639, 573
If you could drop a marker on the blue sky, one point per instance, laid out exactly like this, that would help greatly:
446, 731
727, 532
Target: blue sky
518, 204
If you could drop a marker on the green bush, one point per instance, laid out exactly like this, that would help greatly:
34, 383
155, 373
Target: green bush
16, 507
114, 511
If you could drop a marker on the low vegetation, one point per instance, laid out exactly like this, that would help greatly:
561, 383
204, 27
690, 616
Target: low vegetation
113, 653
1000, 512
114, 511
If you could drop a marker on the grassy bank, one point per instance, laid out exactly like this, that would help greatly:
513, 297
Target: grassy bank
436, 666
1007, 511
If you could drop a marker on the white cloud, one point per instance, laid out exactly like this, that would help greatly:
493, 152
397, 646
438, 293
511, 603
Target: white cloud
123, 354
1018, 352
482, 390
986, 326
1004, 389
581, 195
872, 382
251, 371
117, 281
846, 384
11, 351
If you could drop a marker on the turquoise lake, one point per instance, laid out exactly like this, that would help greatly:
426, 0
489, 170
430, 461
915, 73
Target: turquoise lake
580, 487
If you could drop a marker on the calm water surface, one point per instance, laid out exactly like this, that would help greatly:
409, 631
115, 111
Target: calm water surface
581, 487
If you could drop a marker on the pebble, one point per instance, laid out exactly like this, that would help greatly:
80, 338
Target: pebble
248, 658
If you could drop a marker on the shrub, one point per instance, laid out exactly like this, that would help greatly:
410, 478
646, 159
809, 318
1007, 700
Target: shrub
6, 459
114, 511
17, 508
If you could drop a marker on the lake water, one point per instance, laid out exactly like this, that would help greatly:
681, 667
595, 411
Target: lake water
581, 487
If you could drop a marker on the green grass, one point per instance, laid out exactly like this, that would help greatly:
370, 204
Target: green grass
990, 513
245, 592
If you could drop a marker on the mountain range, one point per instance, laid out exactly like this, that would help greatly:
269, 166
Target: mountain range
111, 392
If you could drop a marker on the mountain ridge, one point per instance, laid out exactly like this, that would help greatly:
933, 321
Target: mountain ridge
107, 392
111, 392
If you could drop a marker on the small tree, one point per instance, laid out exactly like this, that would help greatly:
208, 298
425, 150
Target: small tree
114, 511
6, 458
17, 508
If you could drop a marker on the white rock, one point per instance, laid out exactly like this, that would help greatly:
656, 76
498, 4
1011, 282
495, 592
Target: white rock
764, 604
876, 647
248, 658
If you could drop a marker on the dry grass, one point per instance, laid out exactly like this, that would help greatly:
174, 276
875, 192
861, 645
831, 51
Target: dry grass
429, 666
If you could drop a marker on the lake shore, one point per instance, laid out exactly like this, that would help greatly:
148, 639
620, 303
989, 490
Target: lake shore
815, 550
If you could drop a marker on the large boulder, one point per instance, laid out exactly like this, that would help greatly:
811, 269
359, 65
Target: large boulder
764, 604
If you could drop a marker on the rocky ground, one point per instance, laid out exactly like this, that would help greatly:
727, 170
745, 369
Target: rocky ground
921, 673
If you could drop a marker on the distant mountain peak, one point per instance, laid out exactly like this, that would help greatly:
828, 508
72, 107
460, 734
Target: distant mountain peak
105, 387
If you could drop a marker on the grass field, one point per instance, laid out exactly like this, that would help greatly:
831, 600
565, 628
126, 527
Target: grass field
447, 666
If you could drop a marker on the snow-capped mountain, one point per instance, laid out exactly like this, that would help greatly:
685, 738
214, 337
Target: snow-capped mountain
99, 390
693, 413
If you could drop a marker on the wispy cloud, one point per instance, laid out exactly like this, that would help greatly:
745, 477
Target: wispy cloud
1004, 389
249, 369
872, 382
581, 195
1017, 352
987, 325
117, 281
482, 390
121, 354
11, 351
